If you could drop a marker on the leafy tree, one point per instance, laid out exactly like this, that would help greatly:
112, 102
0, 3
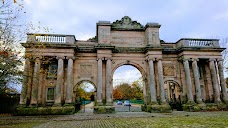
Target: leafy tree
137, 90
128, 92
224, 44
82, 93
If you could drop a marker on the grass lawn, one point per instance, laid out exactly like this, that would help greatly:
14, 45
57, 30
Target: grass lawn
165, 120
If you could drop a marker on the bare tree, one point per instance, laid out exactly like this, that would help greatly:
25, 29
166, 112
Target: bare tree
11, 33
224, 44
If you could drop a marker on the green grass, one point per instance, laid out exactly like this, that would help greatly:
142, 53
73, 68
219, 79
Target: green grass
165, 120
20, 123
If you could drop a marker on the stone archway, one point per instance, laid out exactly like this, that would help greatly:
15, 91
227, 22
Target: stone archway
146, 94
77, 98
173, 92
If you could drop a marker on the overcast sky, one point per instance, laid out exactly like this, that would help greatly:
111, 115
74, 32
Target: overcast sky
178, 18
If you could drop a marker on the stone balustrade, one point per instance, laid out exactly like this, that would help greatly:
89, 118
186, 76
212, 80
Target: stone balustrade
50, 38
189, 42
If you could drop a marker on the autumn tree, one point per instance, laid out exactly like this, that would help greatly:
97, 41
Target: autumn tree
128, 92
10, 36
137, 90
82, 93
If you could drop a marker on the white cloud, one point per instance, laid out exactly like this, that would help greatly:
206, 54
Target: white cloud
126, 74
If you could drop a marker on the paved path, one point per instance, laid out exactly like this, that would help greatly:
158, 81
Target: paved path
130, 119
88, 108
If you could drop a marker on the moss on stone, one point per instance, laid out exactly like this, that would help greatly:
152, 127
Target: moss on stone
68, 110
45, 110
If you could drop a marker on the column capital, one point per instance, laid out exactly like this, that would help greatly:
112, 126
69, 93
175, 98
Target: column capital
157, 59
212, 59
186, 59
60, 57
70, 57
107, 58
220, 59
194, 59
150, 58
100, 58
36, 57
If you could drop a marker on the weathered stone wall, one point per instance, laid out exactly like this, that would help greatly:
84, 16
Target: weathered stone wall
128, 39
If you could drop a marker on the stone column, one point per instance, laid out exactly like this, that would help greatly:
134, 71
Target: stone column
188, 81
197, 81
40, 88
59, 82
70, 82
161, 81
99, 81
222, 81
152, 82
108, 82
23, 98
214, 81
35, 82
29, 86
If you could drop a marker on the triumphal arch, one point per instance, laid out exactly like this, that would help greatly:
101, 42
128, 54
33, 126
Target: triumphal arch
189, 70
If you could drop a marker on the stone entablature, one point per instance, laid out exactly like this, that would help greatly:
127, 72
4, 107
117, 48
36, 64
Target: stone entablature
189, 70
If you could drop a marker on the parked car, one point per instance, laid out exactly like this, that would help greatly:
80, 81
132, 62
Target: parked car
119, 102
127, 103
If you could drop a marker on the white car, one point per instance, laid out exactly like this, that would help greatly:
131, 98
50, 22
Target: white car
127, 103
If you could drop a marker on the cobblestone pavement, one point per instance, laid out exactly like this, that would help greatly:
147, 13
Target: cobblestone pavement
134, 120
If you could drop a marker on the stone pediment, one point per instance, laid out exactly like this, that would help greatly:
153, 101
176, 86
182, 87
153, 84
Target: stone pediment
126, 24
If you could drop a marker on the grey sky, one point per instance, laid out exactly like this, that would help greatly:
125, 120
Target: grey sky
179, 18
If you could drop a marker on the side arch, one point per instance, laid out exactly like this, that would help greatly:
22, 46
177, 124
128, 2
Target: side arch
173, 90
77, 85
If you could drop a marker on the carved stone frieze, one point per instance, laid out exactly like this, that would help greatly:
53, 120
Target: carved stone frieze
126, 23
168, 69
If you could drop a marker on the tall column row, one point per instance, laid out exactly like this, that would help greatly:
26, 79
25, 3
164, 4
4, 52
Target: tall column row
160, 81
215, 77
107, 81
32, 87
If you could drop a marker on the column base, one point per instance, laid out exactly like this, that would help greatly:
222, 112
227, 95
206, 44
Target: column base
109, 103
22, 106
33, 105
68, 104
99, 103
156, 108
104, 109
57, 105
225, 101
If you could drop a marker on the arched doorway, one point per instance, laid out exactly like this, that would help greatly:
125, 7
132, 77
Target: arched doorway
128, 85
84, 96
173, 94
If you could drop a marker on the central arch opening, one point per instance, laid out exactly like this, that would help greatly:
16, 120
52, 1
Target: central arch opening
128, 89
